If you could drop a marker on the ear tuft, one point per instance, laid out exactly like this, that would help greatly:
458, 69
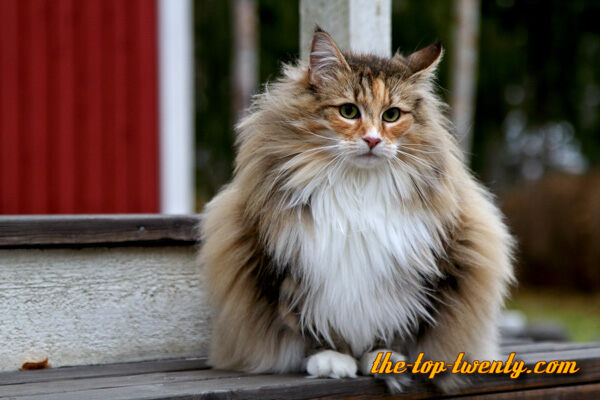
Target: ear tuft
325, 57
426, 59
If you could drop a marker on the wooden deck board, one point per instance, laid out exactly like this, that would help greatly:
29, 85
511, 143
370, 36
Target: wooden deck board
190, 379
246, 387
98, 371
85, 230
121, 381
575, 392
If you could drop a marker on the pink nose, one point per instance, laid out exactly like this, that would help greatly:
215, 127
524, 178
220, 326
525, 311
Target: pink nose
371, 141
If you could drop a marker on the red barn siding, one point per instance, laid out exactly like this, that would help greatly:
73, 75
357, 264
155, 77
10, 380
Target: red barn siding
78, 106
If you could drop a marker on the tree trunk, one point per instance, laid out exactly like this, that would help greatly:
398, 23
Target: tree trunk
464, 70
245, 55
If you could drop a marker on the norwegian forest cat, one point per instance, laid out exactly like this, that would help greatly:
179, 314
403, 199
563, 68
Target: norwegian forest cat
352, 226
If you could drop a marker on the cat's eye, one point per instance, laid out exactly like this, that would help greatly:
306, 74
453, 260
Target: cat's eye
391, 115
349, 111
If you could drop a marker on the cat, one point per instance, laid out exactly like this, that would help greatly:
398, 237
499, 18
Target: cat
351, 226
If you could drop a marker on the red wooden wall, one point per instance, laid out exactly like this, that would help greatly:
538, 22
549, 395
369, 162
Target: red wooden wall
78, 106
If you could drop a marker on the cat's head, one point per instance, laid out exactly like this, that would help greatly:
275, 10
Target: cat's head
345, 115
372, 109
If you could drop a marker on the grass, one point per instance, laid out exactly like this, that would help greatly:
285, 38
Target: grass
579, 313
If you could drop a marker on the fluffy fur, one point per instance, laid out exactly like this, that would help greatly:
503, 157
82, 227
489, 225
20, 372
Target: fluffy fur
322, 249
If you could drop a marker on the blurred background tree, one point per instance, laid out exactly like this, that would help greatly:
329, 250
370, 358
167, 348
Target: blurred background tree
536, 128
538, 91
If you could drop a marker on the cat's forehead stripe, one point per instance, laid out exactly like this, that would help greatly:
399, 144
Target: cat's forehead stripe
371, 91
367, 95
379, 90
375, 79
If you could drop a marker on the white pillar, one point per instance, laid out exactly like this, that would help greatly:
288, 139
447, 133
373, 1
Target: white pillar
176, 106
363, 26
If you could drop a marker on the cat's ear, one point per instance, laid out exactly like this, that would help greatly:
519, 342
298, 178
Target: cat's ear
425, 61
325, 58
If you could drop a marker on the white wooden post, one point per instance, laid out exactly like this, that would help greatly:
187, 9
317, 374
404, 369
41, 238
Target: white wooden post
363, 26
176, 107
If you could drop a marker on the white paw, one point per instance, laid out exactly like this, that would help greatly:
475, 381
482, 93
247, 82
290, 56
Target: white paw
331, 364
367, 360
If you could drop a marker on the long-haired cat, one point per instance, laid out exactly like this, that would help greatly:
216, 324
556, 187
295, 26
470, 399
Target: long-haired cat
351, 225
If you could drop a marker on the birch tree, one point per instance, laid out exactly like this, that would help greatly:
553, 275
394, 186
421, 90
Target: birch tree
464, 70
245, 55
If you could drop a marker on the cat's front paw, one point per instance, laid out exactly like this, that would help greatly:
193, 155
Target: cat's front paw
331, 364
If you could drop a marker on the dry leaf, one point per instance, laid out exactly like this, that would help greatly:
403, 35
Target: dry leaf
35, 365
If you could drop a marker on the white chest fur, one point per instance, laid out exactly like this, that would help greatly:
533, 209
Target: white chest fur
363, 259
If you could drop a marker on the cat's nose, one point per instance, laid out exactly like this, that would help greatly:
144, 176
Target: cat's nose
371, 141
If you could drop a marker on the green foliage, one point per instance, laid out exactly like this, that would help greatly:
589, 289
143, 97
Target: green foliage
416, 24
578, 313
279, 35
214, 138
549, 52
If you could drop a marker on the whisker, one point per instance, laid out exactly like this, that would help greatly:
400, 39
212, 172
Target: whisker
420, 160
418, 149
292, 125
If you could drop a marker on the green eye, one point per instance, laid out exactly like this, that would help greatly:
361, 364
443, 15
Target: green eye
349, 111
391, 115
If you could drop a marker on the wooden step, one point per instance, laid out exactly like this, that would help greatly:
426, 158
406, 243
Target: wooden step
99, 289
191, 379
